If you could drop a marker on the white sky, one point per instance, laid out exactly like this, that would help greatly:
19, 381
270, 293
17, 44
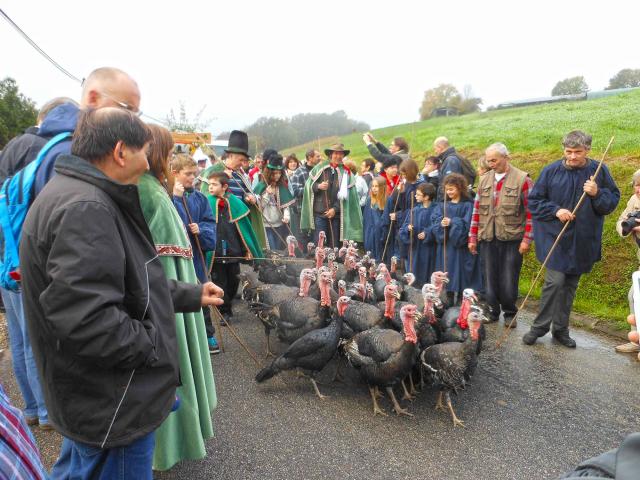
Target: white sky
373, 59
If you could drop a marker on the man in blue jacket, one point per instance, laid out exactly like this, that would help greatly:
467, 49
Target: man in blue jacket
104, 87
553, 198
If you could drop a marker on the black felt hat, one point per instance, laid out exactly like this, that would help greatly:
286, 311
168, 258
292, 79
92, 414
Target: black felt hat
391, 161
275, 162
267, 154
238, 143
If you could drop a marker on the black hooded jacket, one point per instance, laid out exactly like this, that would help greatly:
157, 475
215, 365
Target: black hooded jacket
99, 309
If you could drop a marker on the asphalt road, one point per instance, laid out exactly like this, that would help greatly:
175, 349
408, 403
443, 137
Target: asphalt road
531, 413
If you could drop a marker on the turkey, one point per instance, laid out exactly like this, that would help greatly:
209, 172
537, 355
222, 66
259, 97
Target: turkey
383, 357
294, 267
428, 329
269, 272
382, 279
450, 365
454, 321
440, 280
311, 352
298, 315
359, 317
410, 293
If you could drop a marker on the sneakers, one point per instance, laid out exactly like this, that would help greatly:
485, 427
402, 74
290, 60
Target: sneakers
565, 339
214, 348
530, 337
628, 348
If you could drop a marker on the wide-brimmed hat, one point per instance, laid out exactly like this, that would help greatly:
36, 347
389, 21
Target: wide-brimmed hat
275, 162
238, 143
266, 155
390, 161
336, 147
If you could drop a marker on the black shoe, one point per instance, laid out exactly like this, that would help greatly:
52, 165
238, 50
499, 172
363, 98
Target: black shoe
226, 318
565, 340
530, 337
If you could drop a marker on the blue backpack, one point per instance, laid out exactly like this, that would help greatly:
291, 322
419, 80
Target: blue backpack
15, 200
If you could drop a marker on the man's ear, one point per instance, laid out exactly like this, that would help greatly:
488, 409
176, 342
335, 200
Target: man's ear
118, 153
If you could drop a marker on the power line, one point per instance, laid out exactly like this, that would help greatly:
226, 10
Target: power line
42, 52
58, 66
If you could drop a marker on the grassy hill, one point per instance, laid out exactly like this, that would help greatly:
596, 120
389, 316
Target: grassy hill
533, 135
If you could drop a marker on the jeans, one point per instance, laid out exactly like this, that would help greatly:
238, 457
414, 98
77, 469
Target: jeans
24, 365
558, 292
501, 262
275, 241
330, 227
79, 461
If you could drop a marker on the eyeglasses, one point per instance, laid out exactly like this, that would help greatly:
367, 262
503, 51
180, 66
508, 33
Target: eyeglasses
126, 106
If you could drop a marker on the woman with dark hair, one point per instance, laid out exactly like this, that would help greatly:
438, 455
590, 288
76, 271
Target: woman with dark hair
183, 434
453, 219
291, 164
275, 200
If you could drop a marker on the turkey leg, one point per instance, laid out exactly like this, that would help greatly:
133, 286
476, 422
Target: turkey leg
439, 404
407, 395
396, 406
412, 387
269, 352
315, 387
456, 420
376, 408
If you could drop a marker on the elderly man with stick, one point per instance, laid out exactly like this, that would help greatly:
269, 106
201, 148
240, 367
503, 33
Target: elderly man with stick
578, 191
330, 201
501, 231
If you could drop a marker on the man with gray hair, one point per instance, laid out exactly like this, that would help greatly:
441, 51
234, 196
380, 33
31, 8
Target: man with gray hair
450, 162
501, 230
552, 201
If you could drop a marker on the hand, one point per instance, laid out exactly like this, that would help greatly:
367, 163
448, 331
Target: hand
410, 227
524, 247
285, 220
195, 229
564, 215
330, 213
323, 185
366, 139
271, 190
178, 189
473, 248
421, 236
446, 221
250, 199
392, 216
211, 294
401, 186
591, 187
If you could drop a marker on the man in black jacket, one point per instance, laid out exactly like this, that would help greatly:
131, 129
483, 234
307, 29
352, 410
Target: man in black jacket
450, 161
99, 309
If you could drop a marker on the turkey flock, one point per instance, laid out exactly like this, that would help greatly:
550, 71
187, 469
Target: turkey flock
335, 303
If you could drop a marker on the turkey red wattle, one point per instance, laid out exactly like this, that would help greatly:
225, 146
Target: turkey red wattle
390, 301
291, 246
325, 285
465, 308
407, 315
428, 312
343, 303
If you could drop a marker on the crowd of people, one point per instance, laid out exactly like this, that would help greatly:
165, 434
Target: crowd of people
129, 248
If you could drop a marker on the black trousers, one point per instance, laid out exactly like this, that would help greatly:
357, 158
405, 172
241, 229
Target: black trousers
225, 275
502, 263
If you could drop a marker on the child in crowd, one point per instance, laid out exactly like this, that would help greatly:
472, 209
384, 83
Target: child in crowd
275, 199
451, 220
374, 233
361, 185
195, 212
236, 239
417, 232
483, 166
431, 173
367, 170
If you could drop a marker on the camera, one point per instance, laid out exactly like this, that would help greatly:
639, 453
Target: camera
630, 223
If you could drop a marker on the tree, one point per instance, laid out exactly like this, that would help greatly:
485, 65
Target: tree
570, 86
17, 112
469, 103
625, 78
444, 95
185, 124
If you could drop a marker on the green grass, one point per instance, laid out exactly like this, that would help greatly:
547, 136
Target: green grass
533, 135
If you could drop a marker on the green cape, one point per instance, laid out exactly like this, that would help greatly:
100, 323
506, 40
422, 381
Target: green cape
239, 215
254, 214
182, 435
351, 218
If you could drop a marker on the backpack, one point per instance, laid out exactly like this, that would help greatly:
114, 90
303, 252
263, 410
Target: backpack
15, 200
468, 171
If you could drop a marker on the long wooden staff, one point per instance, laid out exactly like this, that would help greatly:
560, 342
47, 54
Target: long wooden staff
396, 189
326, 202
411, 238
445, 233
564, 228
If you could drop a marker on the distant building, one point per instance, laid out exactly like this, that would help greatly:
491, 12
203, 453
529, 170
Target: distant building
564, 98
444, 112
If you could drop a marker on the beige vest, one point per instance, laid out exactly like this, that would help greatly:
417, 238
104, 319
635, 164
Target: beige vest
506, 221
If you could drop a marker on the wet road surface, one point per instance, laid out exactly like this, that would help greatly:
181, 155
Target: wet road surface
530, 413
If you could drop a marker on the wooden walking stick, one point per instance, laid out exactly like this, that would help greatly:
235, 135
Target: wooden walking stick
395, 206
411, 238
544, 264
444, 236
212, 308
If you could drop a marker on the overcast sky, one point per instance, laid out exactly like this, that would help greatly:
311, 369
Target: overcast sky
373, 59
